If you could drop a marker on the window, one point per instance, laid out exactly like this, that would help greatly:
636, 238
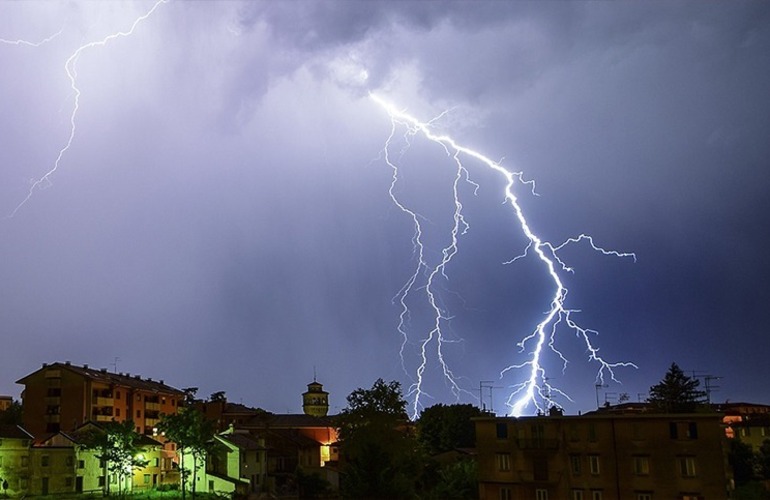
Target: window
687, 466
574, 432
540, 468
45, 461
577, 495
69, 461
597, 495
593, 463
81, 464
117, 394
117, 412
503, 461
644, 496
641, 466
692, 430
505, 494
147, 478
101, 481
592, 432
575, 464
502, 430
541, 494
683, 430
138, 413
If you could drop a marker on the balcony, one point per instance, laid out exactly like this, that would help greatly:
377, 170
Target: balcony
53, 401
103, 401
103, 418
52, 419
151, 406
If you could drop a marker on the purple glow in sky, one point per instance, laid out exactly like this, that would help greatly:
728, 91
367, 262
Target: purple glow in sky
222, 219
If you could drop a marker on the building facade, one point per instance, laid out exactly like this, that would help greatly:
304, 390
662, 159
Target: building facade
602, 456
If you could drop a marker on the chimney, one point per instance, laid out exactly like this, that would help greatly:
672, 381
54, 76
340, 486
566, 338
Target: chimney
45, 365
103, 370
67, 363
85, 366
161, 382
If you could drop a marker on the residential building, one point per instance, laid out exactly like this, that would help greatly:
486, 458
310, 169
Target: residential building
14, 460
236, 466
63, 396
603, 455
748, 422
5, 402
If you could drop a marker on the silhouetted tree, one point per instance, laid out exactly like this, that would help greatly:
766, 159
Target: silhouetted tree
456, 480
763, 460
193, 434
676, 393
446, 427
12, 414
378, 449
743, 462
218, 396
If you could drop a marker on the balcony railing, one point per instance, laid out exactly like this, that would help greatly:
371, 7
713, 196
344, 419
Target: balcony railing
152, 406
103, 401
53, 400
103, 418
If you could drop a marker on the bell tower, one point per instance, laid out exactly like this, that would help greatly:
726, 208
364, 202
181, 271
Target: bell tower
315, 401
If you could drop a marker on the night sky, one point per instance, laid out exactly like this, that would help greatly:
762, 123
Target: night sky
222, 217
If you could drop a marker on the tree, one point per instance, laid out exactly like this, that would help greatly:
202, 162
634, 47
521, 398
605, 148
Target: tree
12, 414
116, 445
378, 450
446, 427
676, 393
742, 460
193, 434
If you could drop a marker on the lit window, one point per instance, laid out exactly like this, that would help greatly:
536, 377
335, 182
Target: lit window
644, 496
687, 466
577, 495
641, 466
506, 494
593, 462
503, 462
597, 495
541, 494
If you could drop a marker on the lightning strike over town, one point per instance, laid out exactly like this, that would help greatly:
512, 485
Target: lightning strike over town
396, 250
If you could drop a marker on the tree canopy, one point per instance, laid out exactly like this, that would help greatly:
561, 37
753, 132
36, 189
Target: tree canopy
378, 448
117, 444
676, 393
446, 427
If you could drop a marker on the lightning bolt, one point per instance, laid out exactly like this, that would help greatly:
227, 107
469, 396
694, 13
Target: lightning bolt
535, 391
31, 44
70, 67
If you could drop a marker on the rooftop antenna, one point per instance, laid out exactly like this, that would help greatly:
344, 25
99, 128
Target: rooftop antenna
599, 386
314, 375
115, 364
709, 386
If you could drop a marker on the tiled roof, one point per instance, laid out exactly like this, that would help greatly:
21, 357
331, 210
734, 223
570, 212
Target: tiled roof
242, 441
121, 379
13, 432
290, 421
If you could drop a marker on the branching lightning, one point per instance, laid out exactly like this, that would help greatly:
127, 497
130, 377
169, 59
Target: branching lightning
535, 391
70, 67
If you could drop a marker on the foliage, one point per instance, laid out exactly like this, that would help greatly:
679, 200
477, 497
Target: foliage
378, 450
218, 396
193, 434
457, 480
763, 460
676, 393
311, 485
742, 460
446, 427
12, 414
116, 443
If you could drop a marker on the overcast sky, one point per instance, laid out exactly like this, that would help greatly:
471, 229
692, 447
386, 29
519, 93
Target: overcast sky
222, 217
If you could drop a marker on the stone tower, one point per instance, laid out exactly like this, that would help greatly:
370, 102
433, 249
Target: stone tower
315, 401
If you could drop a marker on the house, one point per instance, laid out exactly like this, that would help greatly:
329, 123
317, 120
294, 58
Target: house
603, 455
62, 463
236, 465
14, 460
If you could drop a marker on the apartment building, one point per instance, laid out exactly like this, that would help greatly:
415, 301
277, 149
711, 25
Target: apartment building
603, 455
63, 396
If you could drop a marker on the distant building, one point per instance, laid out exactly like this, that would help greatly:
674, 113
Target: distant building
315, 401
748, 422
5, 402
603, 455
